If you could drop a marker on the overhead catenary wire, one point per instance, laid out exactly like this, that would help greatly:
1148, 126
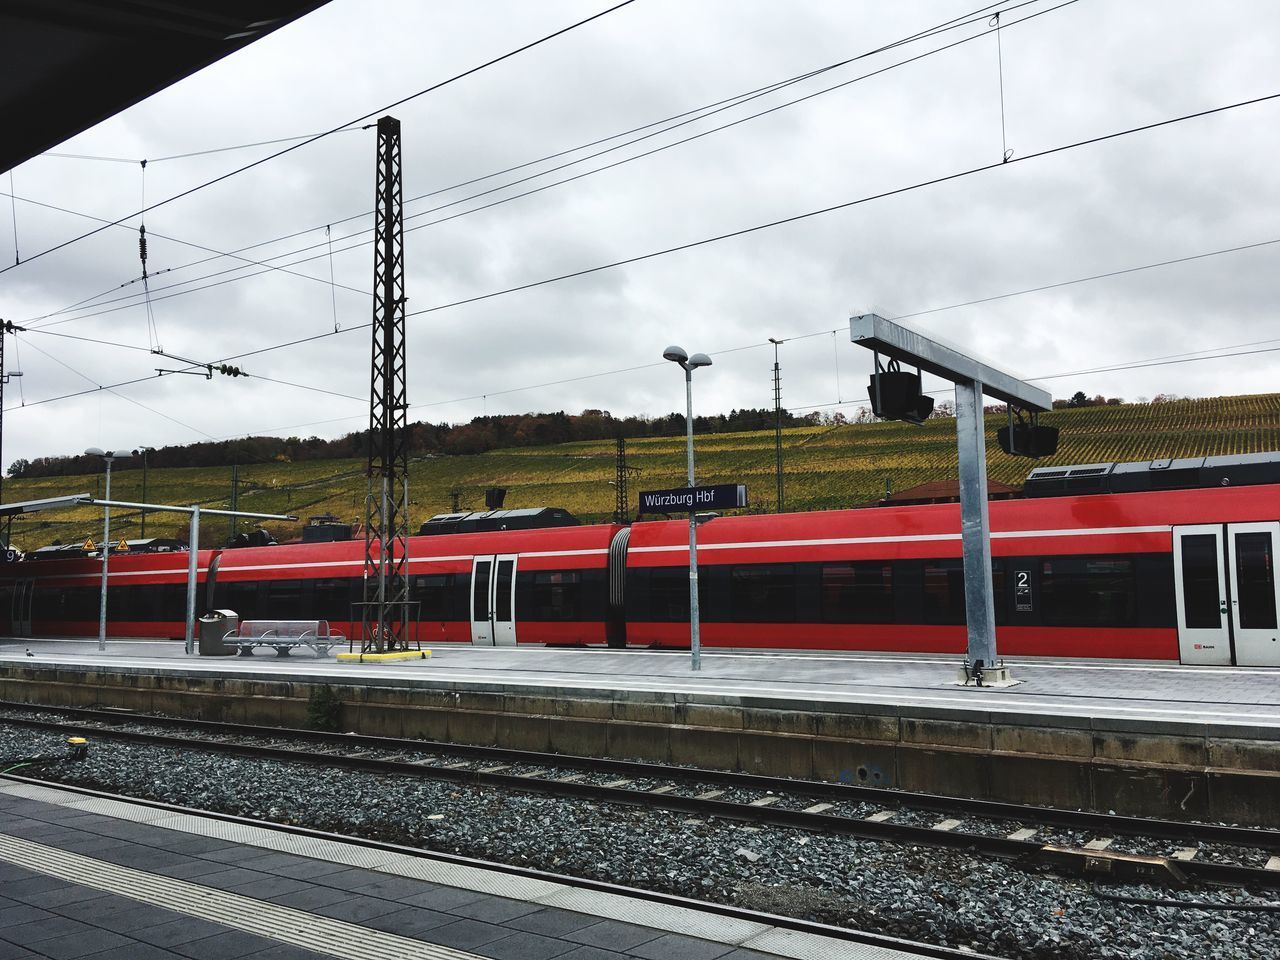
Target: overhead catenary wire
280, 153
796, 218
199, 153
133, 298
115, 393
706, 111
984, 168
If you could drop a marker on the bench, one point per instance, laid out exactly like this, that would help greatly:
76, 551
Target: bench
283, 636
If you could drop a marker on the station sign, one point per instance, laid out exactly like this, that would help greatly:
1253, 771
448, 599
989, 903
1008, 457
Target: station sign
719, 496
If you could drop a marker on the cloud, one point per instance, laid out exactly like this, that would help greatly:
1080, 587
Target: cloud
1083, 71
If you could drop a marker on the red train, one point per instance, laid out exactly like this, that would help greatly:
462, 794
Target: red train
1095, 561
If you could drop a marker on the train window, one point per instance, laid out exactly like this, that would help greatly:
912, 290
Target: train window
944, 591
284, 599
553, 595
433, 593
857, 592
669, 593
763, 593
1088, 591
242, 597
331, 598
480, 591
1255, 581
1200, 582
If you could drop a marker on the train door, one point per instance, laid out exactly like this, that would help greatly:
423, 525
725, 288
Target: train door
20, 610
493, 597
1255, 592
1228, 593
1200, 581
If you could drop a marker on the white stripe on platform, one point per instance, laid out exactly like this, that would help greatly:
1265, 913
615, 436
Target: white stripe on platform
261, 918
686, 921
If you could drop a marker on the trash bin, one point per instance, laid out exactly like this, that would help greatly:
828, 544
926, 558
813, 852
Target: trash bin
213, 627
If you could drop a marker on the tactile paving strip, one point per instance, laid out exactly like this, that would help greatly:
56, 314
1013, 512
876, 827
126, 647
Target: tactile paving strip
690, 922
295, 927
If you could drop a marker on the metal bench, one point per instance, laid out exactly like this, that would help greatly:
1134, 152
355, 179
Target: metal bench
283, 636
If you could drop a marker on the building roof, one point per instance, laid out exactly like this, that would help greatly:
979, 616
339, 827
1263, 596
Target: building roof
66, 65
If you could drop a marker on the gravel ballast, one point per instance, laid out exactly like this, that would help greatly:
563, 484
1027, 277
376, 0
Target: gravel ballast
944, 897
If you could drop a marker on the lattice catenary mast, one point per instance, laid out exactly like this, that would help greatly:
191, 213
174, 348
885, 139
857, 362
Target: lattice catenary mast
386, 512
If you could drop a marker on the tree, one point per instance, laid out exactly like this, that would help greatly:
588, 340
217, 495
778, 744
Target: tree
1078, 399
18, 467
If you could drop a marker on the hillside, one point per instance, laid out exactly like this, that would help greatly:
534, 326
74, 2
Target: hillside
826, 467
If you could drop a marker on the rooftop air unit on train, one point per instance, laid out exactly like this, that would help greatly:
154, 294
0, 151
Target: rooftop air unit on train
487, 521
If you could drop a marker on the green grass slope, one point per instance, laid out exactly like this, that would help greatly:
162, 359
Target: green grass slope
827, 467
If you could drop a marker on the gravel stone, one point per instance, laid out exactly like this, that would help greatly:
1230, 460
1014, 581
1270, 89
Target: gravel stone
941, 896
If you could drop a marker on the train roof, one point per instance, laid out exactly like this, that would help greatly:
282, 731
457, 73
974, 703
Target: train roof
487, 521
1182, 473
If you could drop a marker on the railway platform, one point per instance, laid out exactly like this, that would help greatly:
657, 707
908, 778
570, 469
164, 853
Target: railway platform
1150, 739
84, 875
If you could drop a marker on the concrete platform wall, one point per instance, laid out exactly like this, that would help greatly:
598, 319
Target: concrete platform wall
1175, 770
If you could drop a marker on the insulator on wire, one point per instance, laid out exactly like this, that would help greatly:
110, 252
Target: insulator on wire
142, 244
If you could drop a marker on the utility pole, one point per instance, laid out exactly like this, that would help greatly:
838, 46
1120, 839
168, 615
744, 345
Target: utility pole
777, 421
234, 505
386, 512
621, 499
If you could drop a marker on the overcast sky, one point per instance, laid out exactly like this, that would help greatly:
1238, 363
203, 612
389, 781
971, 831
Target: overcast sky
1088, 69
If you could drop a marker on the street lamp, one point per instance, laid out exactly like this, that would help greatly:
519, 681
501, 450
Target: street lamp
689, 364
142, 452
108, 457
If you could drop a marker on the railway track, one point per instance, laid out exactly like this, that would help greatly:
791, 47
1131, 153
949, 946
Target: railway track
1090, 844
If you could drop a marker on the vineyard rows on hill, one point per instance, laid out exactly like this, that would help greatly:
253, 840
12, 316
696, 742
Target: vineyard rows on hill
827, 467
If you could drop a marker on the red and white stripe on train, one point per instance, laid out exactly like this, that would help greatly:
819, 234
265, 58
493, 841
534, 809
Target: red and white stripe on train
1182, 575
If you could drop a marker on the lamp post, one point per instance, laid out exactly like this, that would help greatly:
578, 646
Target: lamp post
689, 364
108, 457
142, 524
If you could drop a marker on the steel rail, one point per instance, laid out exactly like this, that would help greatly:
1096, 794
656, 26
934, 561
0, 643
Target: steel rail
1117, 866
910, 947
1156, 828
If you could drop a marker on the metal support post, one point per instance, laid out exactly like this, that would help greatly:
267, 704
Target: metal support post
975, 526
386, 529
106, 552
777, 423
193, 571
695, 641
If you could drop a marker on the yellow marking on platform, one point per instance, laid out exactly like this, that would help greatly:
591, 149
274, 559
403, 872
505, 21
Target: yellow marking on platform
384, 657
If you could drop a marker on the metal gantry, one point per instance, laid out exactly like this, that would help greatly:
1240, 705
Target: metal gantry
386, 526
973, 378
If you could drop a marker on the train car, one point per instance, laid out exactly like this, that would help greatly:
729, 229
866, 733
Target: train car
497, 588
1097, 561
1180, 575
